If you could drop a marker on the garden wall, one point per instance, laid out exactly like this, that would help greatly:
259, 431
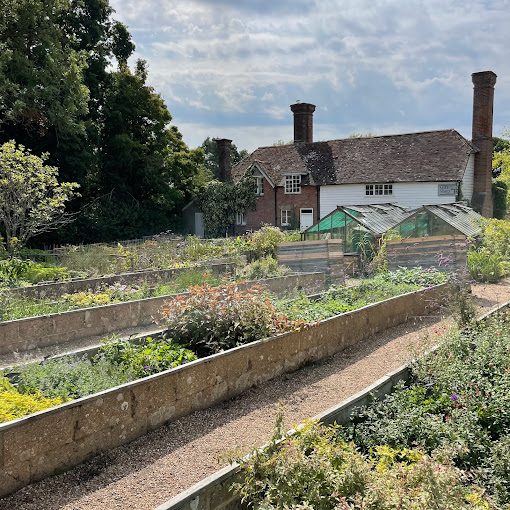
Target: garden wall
55, 289
53, 329
53, 440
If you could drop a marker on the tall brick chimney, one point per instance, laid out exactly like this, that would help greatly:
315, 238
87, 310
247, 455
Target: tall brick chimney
483, 105
303, 122
224, 174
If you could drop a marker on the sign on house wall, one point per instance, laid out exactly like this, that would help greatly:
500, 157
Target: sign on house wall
447, 190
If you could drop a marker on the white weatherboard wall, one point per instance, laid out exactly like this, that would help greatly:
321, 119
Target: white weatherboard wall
468, 180
412, 194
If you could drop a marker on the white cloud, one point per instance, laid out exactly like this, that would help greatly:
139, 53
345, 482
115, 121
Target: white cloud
367, 63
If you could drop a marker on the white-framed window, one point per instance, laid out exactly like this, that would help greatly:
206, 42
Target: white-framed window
378, 189
259, 180
286, 217
293, 183
240, 218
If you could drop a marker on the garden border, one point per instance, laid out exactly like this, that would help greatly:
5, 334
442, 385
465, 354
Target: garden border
50, 441
212, 493
46, 330
55, 289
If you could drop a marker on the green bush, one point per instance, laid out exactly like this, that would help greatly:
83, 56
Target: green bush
13, 269
315, 470
266, 267
264, 241
151, 357
414, 276
485, 266
15, 405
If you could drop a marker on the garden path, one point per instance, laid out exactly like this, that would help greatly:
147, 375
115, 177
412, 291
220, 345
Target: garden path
158, 466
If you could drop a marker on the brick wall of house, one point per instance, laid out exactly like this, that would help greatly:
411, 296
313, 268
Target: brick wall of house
265, 209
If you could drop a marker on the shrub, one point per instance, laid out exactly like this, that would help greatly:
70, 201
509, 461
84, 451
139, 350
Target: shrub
211, 320
266, 267
69, 378
264, 241
315, 470
15, 405
151, 357
485, 266
13, 269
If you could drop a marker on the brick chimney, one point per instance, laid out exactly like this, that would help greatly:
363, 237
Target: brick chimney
303, 122
483, 104
224, 166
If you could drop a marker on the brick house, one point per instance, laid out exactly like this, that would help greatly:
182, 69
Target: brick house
299, 183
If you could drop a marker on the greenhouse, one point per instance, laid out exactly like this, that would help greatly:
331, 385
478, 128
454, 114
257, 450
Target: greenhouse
359, 225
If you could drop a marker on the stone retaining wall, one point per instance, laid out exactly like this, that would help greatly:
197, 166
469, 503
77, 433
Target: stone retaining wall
56, 289
35, 332
53, 440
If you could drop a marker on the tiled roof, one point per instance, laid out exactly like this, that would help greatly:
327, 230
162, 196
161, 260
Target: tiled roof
426, 156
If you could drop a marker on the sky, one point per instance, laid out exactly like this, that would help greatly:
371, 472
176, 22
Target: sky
231, 68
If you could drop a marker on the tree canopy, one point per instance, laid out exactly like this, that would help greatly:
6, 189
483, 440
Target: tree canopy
66, 91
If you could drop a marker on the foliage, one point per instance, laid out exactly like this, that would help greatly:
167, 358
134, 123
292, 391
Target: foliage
13, 269
220, 201
266, 267
116, 363
339, 300
210, 149
459, 397
379, 263
210, 320
264, 241
41, 83
499, 194
15, 405
32, 200
314, 469
485, 266
42, 272
414, 276
495, 236
17, 308
501, 168
151, 357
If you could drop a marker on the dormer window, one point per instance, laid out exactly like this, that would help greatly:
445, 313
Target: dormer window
293, 184
378, 189
259, 181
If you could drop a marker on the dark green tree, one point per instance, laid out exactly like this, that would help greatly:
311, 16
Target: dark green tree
211, 155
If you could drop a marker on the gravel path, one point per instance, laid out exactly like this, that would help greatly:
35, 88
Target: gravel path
158, 466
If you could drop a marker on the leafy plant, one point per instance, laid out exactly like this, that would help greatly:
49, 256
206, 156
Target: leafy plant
15, 405
151, 357
211, 320
264, 241
484, 265
266, 267
12, 269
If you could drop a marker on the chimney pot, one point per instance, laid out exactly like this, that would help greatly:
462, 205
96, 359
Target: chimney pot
224, 166
303, 122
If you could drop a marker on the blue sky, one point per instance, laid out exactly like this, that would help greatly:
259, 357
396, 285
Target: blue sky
231, 68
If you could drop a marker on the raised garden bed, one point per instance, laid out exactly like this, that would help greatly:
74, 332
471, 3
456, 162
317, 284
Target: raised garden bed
55, 289
58, 438
36, 332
